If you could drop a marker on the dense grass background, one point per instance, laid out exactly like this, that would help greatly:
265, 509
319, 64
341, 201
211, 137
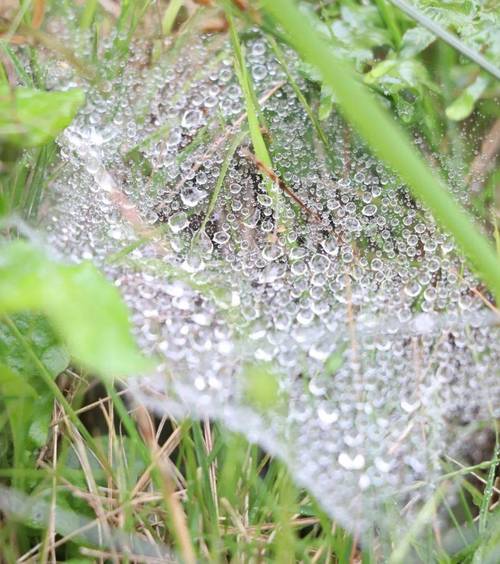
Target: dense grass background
77, 469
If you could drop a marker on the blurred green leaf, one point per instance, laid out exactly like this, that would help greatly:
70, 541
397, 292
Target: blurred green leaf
463, 106
415, 40
359, 30
40, 421
29, 117
13, 385
393, 75
261, 385
83, 307
334, 362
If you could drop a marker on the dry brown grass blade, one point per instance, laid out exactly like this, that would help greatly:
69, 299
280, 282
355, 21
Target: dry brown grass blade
178, 517
165, 451
48, 545
95, 501
235, 518
111, 7
38, 13
216, 24
88, 407
280, 182
490, 148
209, 445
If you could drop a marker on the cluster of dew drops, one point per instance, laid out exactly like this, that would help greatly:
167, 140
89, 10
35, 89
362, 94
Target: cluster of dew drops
348, 294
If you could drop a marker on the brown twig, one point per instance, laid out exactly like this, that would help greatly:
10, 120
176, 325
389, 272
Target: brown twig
176, 510
38, 13
486, 157
281, 183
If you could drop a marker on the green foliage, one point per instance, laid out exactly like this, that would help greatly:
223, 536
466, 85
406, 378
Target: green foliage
463, 106
83, 307
475, 22
30, 118
388, 49
37, 332
239, 504
386, 139
28, 345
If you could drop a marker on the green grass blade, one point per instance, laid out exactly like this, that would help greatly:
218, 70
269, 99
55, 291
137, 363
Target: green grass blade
88, 14
256, 136
488, 490
387, 139
171, 13
220, 181
389, 18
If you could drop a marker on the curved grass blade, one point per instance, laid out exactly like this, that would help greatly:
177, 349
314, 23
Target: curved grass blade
256, 136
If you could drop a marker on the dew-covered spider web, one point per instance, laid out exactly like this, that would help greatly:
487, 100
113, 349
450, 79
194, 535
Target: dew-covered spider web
373, 342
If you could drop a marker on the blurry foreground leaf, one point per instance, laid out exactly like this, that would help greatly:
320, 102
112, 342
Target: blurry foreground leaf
84, 308
29, 117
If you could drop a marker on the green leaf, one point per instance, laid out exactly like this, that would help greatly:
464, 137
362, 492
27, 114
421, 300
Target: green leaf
261, 385
334, 362
394, 75
13, 385
415, 40
39, 337
29, 117
463, 106
40, 422
83, 307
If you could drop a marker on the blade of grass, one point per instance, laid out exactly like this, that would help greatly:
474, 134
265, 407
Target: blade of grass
389, 18
163, 481
88, 14
25, 78
171, 12
387, 139
256, 136
423, 518
220, 181
488, 489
